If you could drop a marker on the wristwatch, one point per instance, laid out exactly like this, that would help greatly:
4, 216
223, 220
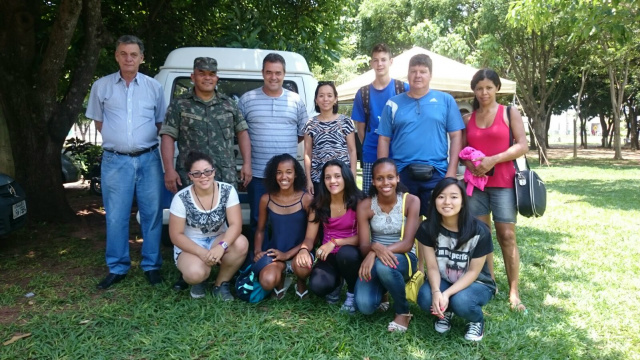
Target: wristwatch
224, 245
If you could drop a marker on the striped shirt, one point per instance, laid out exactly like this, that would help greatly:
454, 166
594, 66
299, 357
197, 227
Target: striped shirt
128, 114
274, 125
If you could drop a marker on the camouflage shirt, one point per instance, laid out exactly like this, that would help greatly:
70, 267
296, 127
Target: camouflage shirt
208, 127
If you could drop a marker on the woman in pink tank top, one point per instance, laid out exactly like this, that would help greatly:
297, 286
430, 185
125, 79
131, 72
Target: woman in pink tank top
338, 257
487, 130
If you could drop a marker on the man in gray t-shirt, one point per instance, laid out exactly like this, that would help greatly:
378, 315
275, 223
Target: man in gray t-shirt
276, 117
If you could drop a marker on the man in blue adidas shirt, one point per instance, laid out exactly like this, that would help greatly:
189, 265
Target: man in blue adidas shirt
414, 126
378, 92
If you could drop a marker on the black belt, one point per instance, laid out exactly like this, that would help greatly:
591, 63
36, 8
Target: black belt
134, 154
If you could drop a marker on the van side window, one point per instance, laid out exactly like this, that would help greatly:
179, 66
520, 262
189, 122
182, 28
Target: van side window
233, 88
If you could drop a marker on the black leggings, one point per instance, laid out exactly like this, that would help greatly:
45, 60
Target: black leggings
325, 276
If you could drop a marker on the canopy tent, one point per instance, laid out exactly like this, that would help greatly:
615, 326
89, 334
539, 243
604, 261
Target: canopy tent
448, 75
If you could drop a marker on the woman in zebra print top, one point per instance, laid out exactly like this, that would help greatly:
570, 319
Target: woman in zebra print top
328, 136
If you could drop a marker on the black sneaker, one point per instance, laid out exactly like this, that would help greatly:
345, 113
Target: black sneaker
180, 285
334, 296
475, 331
443, 325
223, 291
198, 290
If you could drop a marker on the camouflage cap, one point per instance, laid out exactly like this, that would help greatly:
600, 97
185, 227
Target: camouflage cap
205, 63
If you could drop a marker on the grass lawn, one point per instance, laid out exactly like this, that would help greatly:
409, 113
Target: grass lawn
580, 279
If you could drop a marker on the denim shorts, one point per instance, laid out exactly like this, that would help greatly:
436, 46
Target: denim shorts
205, 243
500, 202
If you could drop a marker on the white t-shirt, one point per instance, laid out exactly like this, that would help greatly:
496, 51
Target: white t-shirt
203, 224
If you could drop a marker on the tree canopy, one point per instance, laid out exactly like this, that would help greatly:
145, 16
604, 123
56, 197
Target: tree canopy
53, 50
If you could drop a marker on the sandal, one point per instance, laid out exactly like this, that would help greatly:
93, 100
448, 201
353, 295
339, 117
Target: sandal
279, 294
395, 327
384, 305
303, 295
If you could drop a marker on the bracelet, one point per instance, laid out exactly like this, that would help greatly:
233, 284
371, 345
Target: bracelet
224, 245
333, 241
303, 248
433, 292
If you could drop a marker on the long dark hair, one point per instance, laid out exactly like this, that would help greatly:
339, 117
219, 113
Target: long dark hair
271, 171
322, 200
467, 224
483, 74
400, 188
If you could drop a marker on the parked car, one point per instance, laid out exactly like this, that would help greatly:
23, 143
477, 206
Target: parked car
13, 205
70, 172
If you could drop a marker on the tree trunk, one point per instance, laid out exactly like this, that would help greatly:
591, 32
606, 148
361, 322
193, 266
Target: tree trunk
633, 124
583, 133
605, 130
616, 86
29, 89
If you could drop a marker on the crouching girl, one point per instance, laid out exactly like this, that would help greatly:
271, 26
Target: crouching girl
456, 246
199, 231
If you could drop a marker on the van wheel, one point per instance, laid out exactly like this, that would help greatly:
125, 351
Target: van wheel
96, 187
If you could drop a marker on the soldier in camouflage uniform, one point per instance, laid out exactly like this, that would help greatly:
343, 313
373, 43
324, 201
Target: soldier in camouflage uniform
204, 120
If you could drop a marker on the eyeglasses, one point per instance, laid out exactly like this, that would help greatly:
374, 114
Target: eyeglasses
197, 174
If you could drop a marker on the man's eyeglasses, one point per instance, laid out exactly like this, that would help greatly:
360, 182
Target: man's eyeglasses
197, 174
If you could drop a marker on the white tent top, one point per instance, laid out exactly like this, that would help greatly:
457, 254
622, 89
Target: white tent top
448, 75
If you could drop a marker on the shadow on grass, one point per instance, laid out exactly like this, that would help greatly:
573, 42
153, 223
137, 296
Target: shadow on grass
70, 318
549, 329
606, 194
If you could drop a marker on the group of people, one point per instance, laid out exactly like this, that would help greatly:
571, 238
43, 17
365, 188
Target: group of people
314, 222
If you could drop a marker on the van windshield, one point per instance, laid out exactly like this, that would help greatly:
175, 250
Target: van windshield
233, 88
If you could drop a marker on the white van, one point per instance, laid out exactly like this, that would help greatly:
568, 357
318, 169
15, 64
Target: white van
239, 70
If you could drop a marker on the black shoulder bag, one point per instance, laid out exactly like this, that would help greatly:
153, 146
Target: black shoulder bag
531, 193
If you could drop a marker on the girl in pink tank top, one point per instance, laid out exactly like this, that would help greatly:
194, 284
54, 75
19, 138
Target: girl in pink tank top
487, 130
338, 259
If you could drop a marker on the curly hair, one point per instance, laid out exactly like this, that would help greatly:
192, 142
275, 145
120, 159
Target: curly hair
270, 173
194, 156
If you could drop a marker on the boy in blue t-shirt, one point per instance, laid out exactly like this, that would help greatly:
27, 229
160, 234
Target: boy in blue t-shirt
379, 91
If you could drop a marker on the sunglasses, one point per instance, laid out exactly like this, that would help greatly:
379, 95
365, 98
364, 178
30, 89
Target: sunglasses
197, 174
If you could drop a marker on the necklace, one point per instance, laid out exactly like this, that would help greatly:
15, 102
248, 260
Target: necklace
213, 195
339, 210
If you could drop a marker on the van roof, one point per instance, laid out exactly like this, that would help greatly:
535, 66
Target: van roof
233, 59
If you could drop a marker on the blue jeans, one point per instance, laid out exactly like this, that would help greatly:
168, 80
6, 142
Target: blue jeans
421, 189
466, 303
255, 190
383, 279
122, 177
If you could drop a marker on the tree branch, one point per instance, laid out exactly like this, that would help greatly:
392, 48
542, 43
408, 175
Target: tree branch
95, 37
52, 65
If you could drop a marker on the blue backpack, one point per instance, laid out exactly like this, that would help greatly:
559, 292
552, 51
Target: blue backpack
248, 287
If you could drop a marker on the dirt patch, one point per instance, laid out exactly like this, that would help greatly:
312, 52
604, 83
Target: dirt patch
565, 152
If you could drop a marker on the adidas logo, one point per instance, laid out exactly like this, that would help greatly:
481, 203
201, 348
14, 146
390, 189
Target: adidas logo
433, 100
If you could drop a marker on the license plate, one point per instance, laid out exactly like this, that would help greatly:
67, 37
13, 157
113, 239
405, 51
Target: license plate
19, 209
